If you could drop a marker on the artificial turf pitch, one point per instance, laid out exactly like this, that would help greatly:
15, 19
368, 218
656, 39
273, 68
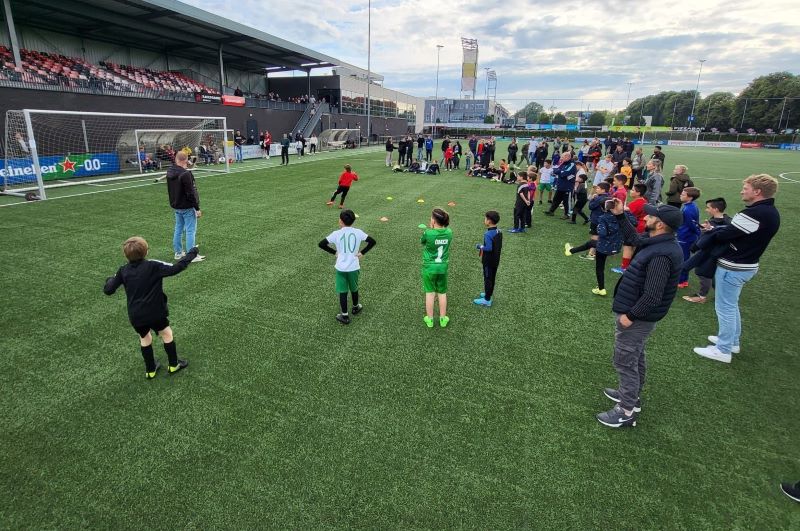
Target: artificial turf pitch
286, 418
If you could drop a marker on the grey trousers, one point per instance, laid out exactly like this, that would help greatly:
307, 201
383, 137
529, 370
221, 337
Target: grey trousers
629, 359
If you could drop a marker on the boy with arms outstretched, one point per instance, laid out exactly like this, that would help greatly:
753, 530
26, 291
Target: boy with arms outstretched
435, 257
147, 303
347, 244
345, 180
490, 256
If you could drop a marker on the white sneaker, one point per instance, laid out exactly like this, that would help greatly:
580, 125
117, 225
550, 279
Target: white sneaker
178, 256
734, 349
199, 258
713, 353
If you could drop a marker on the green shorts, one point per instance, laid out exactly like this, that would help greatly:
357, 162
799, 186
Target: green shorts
347, 281
434, 282
545, 186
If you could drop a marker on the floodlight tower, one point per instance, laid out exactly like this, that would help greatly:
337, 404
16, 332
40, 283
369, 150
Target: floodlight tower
690, 121
436, 96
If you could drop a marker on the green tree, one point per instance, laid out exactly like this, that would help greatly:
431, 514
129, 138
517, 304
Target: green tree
717, 111
543, 118
488, 119
530, 112
765, 101
597, 118
559, 119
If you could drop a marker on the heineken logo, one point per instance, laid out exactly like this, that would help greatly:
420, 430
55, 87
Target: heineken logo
67, 165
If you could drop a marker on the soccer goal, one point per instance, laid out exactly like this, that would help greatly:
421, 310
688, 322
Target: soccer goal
655, 137
332, 139
206, 148
46, 149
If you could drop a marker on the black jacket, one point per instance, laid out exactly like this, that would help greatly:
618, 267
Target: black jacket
492, 247
147, 303
748, 235
182, 190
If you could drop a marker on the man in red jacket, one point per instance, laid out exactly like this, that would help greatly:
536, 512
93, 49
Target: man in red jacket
345, 180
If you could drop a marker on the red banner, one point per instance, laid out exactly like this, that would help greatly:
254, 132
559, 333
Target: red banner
234, 101
752, 145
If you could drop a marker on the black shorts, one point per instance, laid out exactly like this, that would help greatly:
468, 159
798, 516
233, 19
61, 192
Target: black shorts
156, 326
593, 229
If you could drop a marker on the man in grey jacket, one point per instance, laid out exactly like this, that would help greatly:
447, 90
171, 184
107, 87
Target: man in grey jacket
654, 182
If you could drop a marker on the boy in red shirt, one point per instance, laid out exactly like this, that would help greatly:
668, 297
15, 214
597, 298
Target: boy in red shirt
618, 190
345, 180
636, 207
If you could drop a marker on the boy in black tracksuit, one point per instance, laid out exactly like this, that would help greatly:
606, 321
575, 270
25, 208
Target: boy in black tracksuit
521, 206
147, 303
490, 256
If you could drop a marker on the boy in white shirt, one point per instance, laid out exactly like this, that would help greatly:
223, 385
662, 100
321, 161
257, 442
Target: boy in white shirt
346, 246
546, 181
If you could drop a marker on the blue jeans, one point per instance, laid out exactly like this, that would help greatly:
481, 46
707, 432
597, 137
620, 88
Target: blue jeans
419, 153
237, 152
185, 221
687, 253
728, 286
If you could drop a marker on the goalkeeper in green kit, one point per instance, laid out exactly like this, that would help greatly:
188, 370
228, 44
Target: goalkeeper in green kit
435, 256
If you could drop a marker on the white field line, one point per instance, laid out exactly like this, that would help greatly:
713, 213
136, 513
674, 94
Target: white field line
783, 176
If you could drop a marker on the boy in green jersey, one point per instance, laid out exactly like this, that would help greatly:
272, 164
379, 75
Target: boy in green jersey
435, 257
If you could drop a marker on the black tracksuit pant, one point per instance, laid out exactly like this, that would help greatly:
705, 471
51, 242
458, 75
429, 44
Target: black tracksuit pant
284, 155
560, 197
577, 208
489, 275
520, 215
599, 262
340, 190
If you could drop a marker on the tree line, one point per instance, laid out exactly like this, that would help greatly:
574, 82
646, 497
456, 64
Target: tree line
765, 104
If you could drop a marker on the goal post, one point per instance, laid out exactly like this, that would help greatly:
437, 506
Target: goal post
333, 139
46, 149
654, 137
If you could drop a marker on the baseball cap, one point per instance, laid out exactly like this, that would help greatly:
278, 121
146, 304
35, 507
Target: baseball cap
669, 214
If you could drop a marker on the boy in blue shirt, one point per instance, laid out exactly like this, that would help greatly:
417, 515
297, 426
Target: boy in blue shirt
490, 256
428, 148
690, 230
609, 242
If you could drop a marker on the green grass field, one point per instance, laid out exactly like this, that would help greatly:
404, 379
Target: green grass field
287, 419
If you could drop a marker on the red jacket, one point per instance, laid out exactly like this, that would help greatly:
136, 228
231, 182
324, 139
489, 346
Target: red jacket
637, 209
448, 154
347, 177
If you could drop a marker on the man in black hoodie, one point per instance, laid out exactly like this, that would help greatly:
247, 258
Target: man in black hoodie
183, 197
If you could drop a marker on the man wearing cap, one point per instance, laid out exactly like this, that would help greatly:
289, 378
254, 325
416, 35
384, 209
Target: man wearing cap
642, 297
747, 236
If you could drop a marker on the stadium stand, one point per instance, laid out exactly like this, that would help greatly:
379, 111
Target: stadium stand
56, 69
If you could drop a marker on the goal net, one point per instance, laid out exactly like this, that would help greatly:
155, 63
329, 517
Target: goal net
46, 149
655, 137
206, 149
332, 139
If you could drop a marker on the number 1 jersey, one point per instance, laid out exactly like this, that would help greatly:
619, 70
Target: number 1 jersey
436, 249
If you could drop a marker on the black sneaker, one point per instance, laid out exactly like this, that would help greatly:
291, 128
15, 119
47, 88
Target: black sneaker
151, 375
616, 418
548, 213
793, 491
182, 364
357, 309
343, 318
613, 394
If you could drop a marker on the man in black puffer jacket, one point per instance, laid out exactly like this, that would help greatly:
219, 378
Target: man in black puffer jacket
642, 297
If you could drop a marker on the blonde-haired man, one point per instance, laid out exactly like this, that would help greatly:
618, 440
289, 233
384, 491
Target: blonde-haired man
748, 236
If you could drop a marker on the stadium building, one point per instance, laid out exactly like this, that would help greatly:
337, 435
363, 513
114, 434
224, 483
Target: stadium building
447, 112
169, 58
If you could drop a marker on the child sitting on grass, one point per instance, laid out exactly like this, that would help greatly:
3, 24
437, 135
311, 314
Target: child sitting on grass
147, 303
608, 243
347, 249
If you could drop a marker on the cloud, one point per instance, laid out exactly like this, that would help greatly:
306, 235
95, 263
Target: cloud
544, 51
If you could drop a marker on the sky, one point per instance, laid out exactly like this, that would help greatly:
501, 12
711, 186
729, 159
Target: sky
561, 56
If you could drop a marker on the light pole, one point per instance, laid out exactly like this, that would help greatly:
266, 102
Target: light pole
627, 100
781, 118
696, 90
436, 96
369, 72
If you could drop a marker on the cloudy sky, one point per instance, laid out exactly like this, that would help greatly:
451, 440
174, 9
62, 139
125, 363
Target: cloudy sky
557, 54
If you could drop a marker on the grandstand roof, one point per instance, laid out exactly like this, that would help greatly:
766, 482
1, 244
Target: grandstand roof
173, 27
